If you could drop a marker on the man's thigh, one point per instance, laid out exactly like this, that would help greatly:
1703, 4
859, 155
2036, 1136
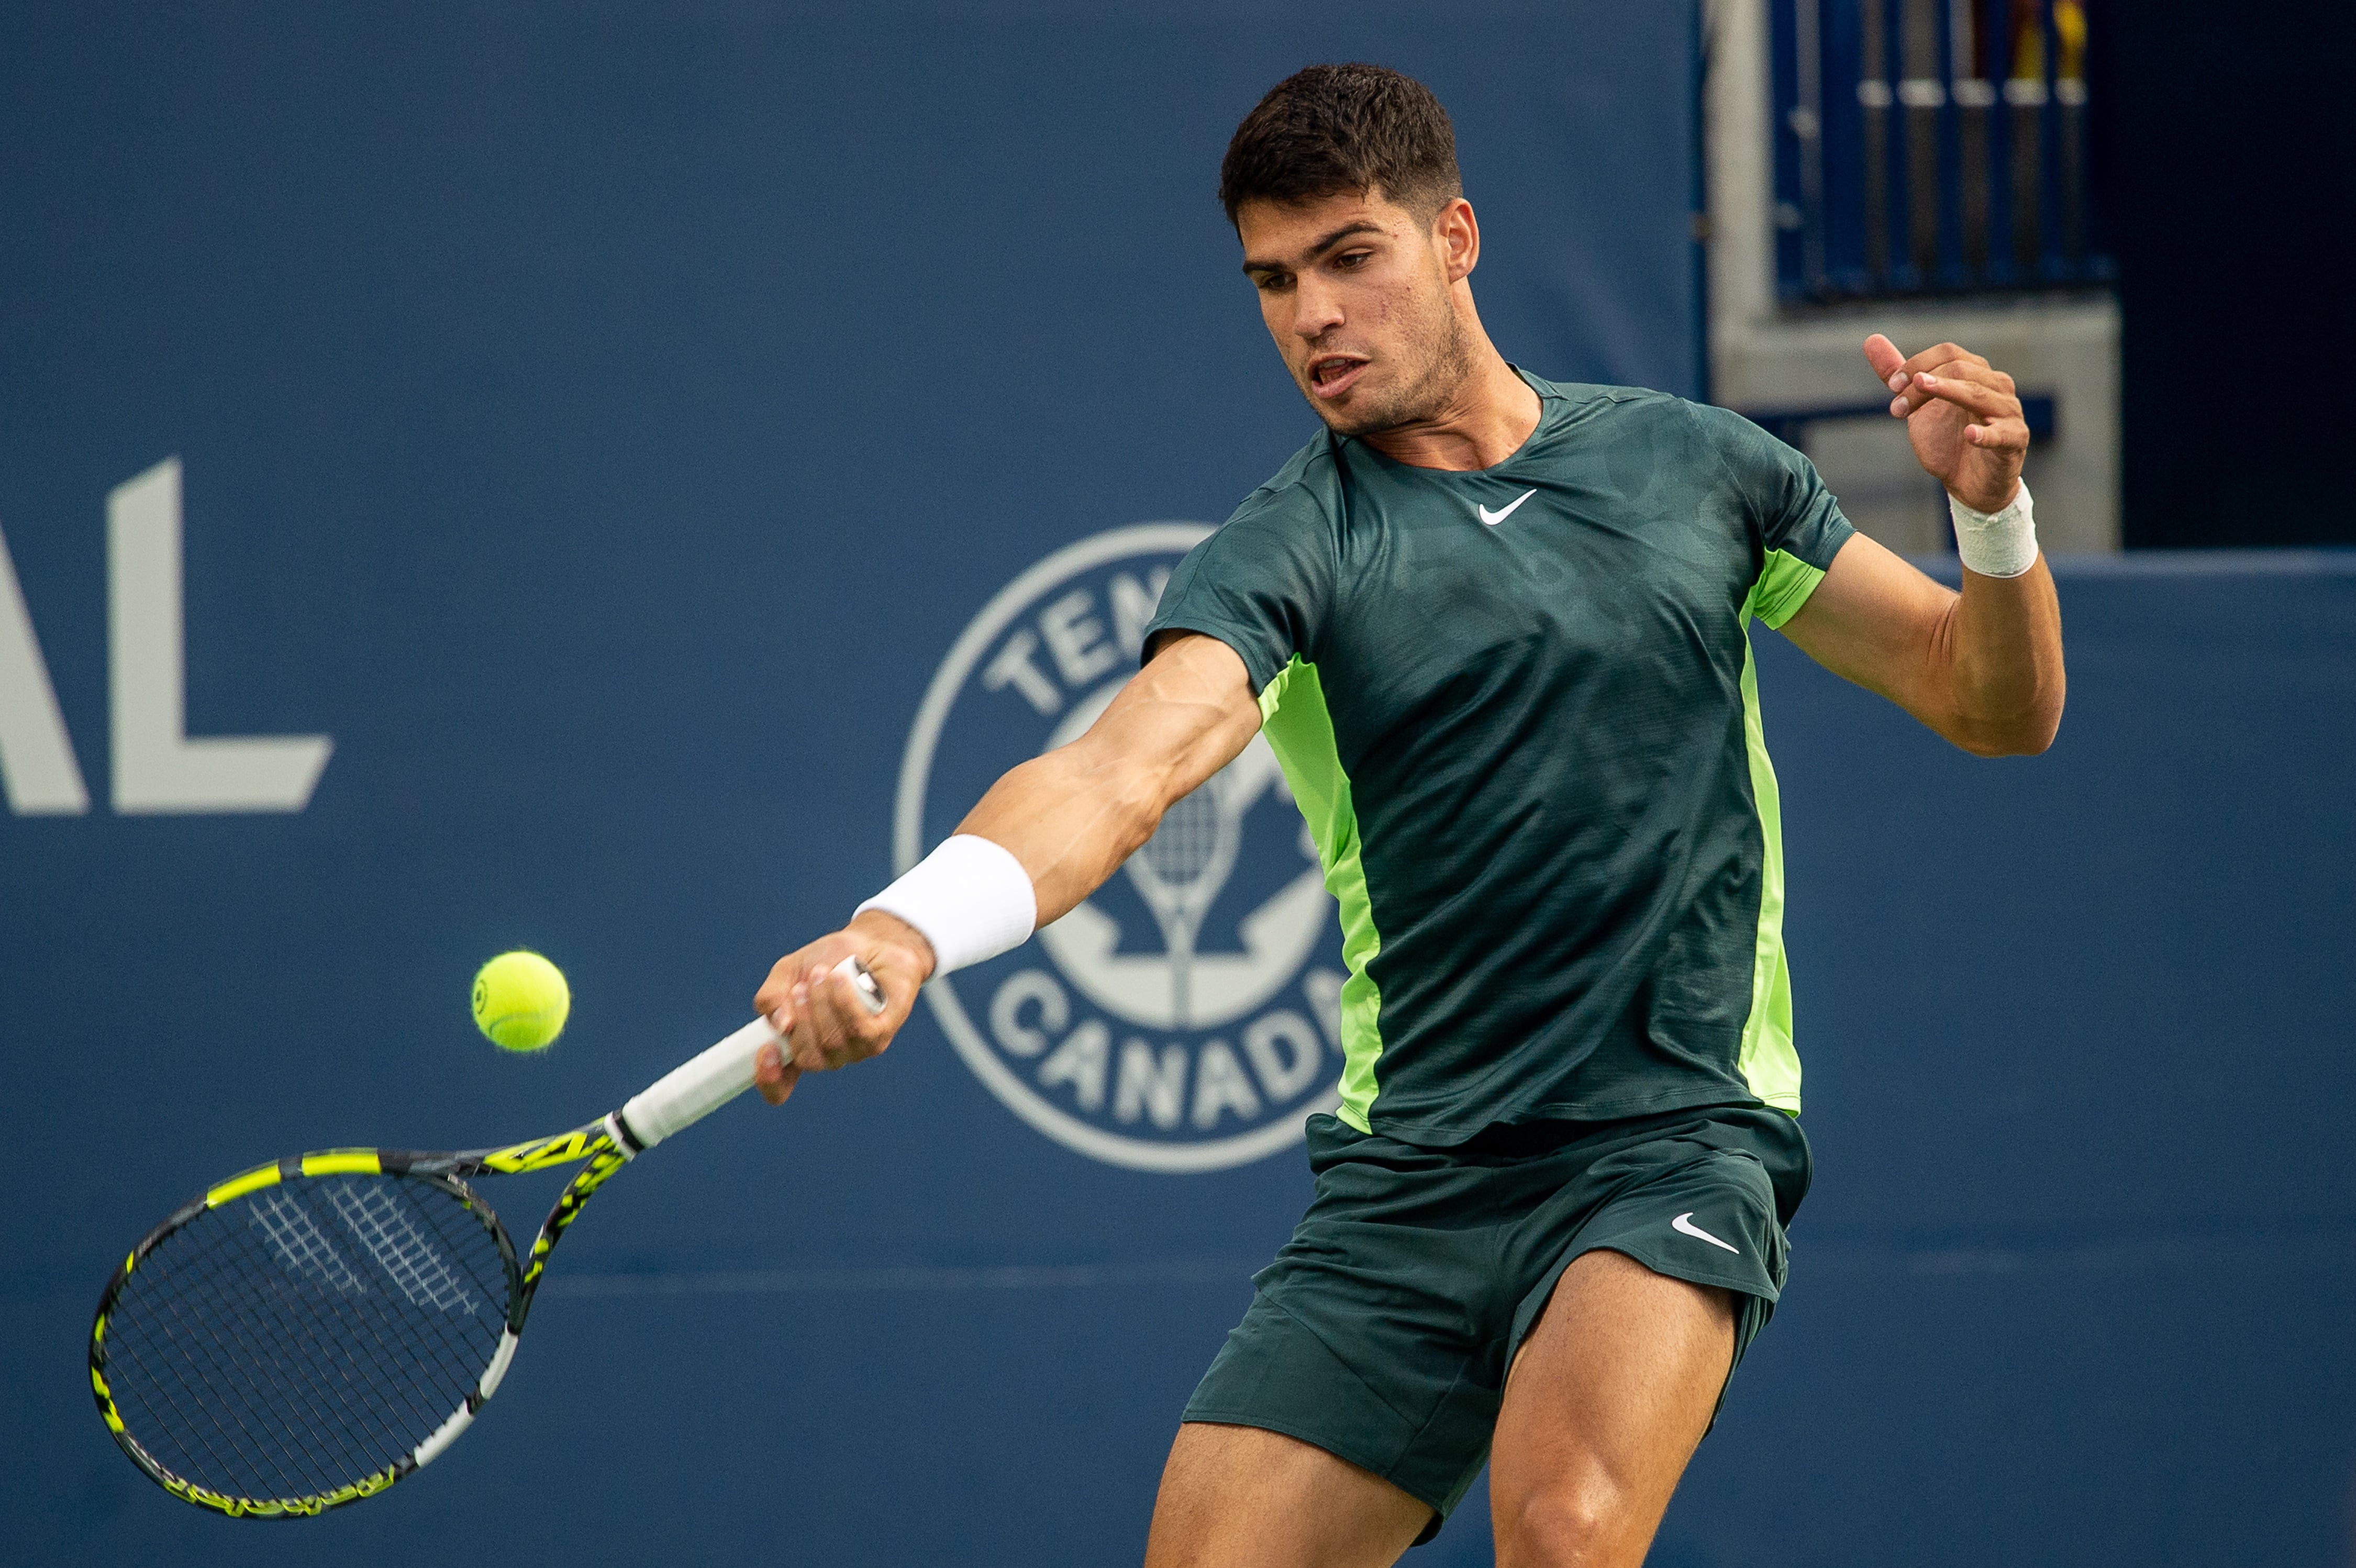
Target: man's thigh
1383, 1332
1609, 1396
1239, 1497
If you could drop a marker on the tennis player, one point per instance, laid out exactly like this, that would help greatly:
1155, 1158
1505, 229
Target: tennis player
1495, 629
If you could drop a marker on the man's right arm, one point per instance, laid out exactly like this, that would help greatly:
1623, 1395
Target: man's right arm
1069, 818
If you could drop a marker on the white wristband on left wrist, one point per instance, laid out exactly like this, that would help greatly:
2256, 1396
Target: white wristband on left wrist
1996, 543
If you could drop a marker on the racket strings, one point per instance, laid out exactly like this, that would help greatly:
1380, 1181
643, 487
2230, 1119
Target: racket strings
188, 1339
290, 1343
215, 1282
321, 1372
276, 1371
200, 1402
421, 1271
302, 1247
310, 1366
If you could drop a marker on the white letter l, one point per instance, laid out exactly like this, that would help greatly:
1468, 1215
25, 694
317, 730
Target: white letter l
158, 767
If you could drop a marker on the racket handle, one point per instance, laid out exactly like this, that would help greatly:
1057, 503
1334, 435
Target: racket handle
705, 1082
697, 1087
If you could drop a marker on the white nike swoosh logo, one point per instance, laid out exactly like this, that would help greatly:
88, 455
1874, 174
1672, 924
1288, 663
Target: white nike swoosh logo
1683, 1224
1494, 518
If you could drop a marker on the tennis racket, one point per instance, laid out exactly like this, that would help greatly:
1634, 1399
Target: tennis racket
309, 1332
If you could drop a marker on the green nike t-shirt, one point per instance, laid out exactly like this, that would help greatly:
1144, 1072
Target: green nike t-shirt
1518, 709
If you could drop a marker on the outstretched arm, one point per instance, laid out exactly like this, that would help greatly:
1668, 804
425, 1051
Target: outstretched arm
1069, 818
1982, 667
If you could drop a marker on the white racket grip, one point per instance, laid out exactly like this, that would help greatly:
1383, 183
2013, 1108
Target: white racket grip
703, 1083
697, 1087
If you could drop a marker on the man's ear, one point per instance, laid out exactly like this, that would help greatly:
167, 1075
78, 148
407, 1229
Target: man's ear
1458, 236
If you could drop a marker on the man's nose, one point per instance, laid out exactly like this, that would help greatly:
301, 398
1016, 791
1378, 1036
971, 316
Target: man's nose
1317, 309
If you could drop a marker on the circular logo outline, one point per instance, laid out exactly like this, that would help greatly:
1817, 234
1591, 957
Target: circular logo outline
908, 848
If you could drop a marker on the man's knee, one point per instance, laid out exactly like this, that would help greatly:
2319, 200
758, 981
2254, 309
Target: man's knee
1569, 1526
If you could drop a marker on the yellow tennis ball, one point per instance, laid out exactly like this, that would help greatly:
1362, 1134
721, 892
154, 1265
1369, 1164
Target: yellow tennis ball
521, 1001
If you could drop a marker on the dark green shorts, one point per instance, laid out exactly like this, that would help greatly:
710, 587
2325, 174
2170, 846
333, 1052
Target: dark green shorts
1384, 1330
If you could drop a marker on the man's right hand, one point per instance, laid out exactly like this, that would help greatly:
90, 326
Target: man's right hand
819, 1013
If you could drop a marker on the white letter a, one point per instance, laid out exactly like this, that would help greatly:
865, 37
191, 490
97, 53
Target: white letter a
157, 769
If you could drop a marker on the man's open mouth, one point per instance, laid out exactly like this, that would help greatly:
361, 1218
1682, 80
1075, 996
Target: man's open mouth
1331, 375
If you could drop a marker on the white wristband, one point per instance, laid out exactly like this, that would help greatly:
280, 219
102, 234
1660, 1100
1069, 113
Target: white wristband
970, 898
1996, 543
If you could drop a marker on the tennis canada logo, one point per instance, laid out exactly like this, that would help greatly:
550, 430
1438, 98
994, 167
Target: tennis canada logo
1187, 1016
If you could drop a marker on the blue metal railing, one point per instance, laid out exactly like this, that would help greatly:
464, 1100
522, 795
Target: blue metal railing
1931, 147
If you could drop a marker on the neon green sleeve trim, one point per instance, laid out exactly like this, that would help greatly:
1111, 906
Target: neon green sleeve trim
1783, 585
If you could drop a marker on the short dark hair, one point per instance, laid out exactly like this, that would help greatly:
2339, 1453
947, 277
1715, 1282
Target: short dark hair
1335, 128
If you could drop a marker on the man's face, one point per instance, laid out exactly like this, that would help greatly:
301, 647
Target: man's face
1356, 291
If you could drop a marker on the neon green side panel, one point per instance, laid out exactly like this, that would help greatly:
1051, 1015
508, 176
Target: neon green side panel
1783, 585
1769, 1060
1300, 730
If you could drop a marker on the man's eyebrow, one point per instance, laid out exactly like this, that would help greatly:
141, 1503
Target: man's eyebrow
1325, 244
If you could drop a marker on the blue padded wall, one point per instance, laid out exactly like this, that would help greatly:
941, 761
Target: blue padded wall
603, 427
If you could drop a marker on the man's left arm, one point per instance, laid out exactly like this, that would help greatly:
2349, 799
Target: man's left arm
1982, 667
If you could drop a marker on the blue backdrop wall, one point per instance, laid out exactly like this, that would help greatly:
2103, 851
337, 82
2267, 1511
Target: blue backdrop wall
604, 432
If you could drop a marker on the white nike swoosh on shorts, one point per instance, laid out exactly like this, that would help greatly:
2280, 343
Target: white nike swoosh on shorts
1683, 1224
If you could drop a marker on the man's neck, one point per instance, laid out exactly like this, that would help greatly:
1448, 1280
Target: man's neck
1484, 423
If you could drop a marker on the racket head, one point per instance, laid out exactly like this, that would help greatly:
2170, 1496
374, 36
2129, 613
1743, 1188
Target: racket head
305, 1333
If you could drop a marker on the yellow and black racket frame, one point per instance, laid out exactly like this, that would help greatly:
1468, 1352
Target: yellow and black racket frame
601, 1149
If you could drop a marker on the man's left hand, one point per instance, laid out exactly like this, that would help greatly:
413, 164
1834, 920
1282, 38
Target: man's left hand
1962, 415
